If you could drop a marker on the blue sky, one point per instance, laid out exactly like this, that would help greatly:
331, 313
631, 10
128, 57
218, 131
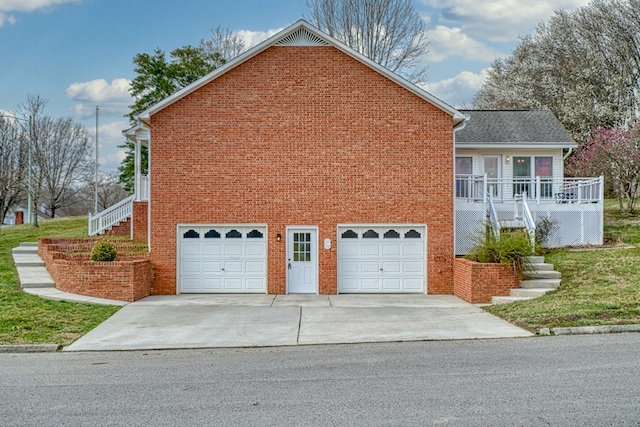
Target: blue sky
78, 53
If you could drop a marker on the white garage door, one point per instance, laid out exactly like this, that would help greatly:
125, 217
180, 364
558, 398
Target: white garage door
224, 259
382, 259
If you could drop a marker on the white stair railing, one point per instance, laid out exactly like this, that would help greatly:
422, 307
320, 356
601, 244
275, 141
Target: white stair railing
111, 216
527, 218
493, 214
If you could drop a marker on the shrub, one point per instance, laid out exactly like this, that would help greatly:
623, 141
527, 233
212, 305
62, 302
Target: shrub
511, 248
103, 250
545, 228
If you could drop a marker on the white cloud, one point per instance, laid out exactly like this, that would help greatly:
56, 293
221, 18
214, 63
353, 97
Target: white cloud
31, 5
109, 138
500, 20
446, 42
8, 6
252, 38
459, 90
113, 98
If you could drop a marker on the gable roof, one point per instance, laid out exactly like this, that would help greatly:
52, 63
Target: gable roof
502, 128
301, 33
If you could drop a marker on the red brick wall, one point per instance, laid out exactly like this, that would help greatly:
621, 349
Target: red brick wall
302, 136
119, 280
123, 229
477, 282
140, 221
128, 278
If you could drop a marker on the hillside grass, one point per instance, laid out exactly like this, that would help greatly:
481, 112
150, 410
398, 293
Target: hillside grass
28, 319
600, 286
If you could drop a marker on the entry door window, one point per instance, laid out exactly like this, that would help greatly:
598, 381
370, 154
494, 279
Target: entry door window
492, 169
544, 169
464, 166
302, 247
521, 175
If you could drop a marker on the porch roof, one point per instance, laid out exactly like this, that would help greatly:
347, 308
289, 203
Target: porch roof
513, 128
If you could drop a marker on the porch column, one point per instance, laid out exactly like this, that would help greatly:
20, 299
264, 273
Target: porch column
137, 173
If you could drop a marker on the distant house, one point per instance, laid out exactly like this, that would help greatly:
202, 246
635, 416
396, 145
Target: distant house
303, 167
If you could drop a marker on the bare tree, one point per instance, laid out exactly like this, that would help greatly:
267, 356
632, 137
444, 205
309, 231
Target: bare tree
389, 32
221, 47
110, 191
62, 155
13, 164
60, 150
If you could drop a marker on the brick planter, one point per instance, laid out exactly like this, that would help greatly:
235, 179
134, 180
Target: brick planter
477, 282
128, 278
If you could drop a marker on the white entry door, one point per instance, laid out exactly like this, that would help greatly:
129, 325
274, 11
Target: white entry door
302, 260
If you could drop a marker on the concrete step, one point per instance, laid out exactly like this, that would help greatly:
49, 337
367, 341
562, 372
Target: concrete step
35, 277
535, 259
507, 300
540, 283
547, 274
26, 259
529, 292
538, 267
25, 250
29, 244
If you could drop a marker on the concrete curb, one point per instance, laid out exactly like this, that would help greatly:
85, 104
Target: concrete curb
29, 348
589, 330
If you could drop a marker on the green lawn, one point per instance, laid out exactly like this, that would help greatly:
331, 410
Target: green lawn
599, 287
26, 318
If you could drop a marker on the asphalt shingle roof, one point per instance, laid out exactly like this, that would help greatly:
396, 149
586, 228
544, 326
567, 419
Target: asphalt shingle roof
515, 127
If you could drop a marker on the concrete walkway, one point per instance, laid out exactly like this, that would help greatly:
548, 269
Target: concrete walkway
202, 321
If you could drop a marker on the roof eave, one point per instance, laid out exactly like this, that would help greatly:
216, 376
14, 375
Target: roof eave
516, 144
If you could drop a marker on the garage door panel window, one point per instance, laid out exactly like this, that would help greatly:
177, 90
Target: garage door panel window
412, 234
254, 234
392, 234
212, 234
233, 234
191, 234
349, 234
370, 234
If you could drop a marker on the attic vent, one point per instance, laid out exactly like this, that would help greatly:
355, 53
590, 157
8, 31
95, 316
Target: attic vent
302, 37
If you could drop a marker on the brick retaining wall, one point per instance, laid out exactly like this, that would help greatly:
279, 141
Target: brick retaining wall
128, 278
477, 282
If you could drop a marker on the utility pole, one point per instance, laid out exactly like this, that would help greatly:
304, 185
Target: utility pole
95, 207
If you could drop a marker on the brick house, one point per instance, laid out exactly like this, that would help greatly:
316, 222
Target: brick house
300, 166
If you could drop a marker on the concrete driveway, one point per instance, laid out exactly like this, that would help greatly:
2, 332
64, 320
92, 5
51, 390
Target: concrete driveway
201, 321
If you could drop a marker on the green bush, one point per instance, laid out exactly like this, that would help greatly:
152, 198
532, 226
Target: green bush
511, 248
103, 251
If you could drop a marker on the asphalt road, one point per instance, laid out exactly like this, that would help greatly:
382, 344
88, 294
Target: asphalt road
558, 381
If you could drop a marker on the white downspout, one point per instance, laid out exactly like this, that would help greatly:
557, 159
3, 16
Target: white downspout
456, 128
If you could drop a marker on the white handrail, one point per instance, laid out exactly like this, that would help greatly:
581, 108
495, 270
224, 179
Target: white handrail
493, 215
111, 216
529, 223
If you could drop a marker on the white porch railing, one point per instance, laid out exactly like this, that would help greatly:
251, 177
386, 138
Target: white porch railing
111, 216
143, 187
539, 189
